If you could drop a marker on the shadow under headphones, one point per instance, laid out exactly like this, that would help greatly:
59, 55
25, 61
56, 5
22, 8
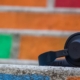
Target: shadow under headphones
71, 53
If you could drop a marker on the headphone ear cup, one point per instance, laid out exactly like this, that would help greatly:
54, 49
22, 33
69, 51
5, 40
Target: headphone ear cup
73, 46
71, 38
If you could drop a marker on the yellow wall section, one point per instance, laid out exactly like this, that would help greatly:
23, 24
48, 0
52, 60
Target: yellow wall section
23, 2
31, 46
48, 21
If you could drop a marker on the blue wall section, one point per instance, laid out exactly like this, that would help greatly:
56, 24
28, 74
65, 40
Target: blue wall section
23, 77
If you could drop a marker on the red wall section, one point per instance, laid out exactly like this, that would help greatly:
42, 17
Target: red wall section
68, 3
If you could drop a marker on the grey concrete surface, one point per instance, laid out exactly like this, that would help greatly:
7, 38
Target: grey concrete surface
19, 62
54, 73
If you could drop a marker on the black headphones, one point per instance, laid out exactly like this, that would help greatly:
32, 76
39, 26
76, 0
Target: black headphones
71, 52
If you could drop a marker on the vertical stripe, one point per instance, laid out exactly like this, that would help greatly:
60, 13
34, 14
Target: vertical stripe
15, 46
50, 4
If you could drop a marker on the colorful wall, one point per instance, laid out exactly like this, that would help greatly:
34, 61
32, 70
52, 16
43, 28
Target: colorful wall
31, 46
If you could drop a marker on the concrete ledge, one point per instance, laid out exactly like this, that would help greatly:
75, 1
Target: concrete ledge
27, 72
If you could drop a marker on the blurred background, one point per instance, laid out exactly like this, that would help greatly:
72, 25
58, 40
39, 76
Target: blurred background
31, 27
